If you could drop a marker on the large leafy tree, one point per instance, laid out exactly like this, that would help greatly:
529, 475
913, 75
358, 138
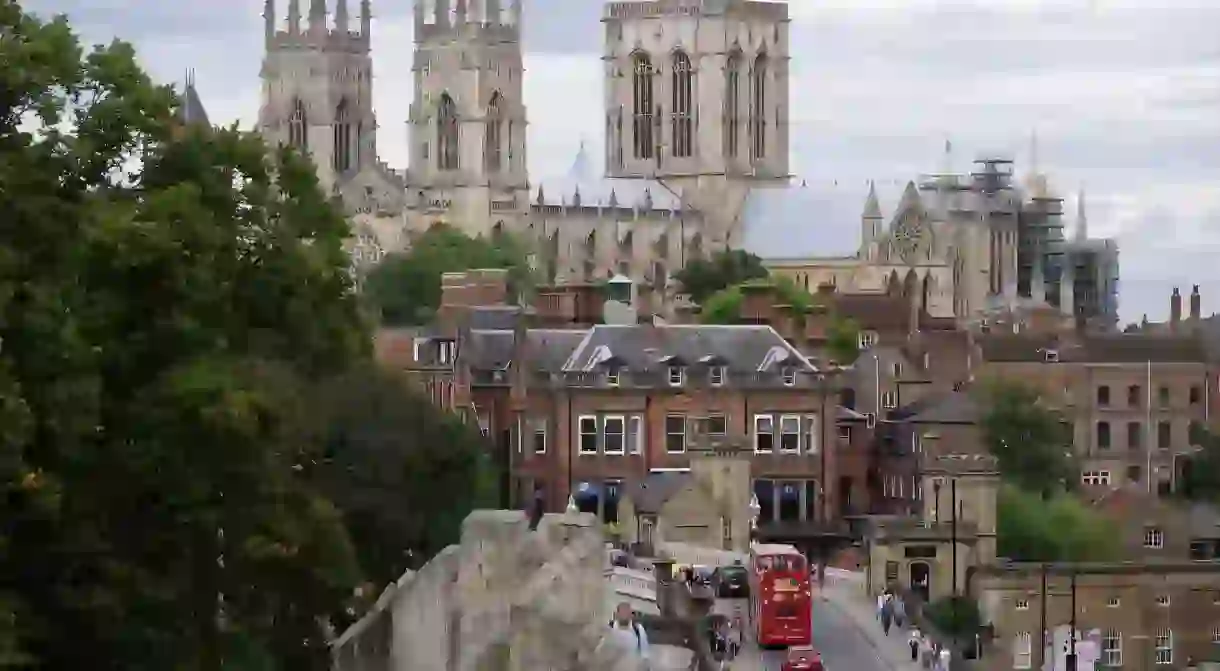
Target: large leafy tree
1032, 441
1033, 528
1199, 473
164, 294
405, 289
702, 278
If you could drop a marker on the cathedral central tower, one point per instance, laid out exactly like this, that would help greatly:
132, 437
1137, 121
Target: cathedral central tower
468, 121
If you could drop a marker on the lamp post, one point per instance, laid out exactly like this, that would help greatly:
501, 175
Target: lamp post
755, 511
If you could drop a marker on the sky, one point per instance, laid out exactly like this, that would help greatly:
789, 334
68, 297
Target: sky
1123, 96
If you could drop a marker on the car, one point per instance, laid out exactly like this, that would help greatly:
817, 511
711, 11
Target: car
620, 559
731, 582
803, 658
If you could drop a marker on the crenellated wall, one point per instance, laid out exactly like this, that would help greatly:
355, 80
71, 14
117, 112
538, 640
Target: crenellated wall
505, 599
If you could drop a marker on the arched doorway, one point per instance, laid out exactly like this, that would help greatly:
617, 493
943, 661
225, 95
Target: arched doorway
920, 579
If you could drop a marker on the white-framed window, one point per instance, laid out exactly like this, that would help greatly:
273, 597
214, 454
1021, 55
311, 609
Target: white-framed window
635, 435
889, 399
1023, 651
1095, 478
866, 339
677, 376
587, 425
1163, 645
675, 434
717, 425
1021, 604
789, 377
1215, 635
444, 352
1114, 602
614, 434
790, 434
538, 429
612, 377
715, 376
764, 434
1163, 600
1154, 538
870, 420
1112, 648
813, 435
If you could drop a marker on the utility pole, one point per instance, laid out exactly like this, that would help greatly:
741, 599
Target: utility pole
1071, 658
1042, 623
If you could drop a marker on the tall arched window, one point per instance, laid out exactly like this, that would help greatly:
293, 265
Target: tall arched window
342, 159
758, 107
642, 102
447, 134
732, 104
298, 125
493, 140
683, 115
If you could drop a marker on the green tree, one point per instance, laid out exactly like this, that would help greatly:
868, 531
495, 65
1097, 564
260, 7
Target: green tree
405, 289
1199, 473
164, 295
723, 307
1032, 442
404, 475
843, 340
702, 278
1033, 528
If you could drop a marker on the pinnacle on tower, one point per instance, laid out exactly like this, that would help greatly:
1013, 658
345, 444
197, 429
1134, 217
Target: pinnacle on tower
294, 17
1082, 219
317, 16
872, 208
341, 23
366, 19
269, 20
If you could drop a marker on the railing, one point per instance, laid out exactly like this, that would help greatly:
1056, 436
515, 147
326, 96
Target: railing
637, 587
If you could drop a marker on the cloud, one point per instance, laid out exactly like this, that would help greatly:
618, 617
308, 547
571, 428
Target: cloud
1124, 96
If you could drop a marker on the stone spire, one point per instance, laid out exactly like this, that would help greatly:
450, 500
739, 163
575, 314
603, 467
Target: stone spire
872, 208
269, 20
366, 21
1082, 219
341, 17
294, 17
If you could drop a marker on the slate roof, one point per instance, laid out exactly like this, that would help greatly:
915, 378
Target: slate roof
741, 349
654, 491
584, 186
550, 348
192, 110
1116, 348
956, 407
492, 349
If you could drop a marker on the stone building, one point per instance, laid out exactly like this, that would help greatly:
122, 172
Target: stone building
1143, 616
1134, 400
1153, 528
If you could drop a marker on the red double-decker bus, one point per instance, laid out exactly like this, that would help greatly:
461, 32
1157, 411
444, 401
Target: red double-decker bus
780, 596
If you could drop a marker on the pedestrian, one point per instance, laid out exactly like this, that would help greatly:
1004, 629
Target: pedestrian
880, 604
900, 612
943, 658
628, 631
735, 637
914, 641
887, 616
925, 653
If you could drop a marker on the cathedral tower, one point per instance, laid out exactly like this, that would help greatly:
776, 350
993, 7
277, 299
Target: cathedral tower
318, 87
696, 96
468, 121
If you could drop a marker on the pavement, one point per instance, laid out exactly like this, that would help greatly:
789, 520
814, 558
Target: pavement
845, 631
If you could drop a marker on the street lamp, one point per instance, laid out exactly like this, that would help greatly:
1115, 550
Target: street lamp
755, 511
572, 509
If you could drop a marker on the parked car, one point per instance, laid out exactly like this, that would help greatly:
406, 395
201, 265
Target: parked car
804, 658
731, 582
620, 558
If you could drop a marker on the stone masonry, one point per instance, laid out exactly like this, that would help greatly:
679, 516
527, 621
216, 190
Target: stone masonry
505, 599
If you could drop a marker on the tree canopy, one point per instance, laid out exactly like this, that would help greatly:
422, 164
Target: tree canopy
701, 278
169, 298
1032, 528
1032, 442
405, 289
1199, 473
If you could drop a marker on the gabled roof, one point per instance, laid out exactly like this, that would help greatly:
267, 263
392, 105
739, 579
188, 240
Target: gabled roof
956, 407
651, 494
643, 348
192, 110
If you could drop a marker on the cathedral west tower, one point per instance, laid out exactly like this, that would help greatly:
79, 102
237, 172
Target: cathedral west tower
318, 87
468, 121
696, 97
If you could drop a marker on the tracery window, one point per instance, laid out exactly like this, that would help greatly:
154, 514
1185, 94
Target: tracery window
642, 102
493, 141
298, 124
683, 115
343, 150
447, 134
758, 107
732, 104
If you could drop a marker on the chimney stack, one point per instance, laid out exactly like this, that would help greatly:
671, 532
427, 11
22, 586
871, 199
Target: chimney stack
1195, 303
1175, 308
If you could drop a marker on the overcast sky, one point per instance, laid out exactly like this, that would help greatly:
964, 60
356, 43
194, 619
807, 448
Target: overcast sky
1124, 96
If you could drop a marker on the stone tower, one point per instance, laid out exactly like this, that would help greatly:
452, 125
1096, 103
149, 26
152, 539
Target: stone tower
696, 96
468, 121
318, 87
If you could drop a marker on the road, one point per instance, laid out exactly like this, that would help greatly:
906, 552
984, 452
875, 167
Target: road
843, 646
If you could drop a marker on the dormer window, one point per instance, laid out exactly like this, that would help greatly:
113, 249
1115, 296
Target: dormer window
444, 353
1052, 356
789, 377
612, 377
867, 339
677, 376
715, 376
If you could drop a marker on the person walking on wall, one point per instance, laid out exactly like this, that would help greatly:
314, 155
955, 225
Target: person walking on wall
629, 632
914, 641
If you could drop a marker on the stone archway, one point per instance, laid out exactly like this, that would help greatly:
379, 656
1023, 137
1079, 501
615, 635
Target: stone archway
920, 579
